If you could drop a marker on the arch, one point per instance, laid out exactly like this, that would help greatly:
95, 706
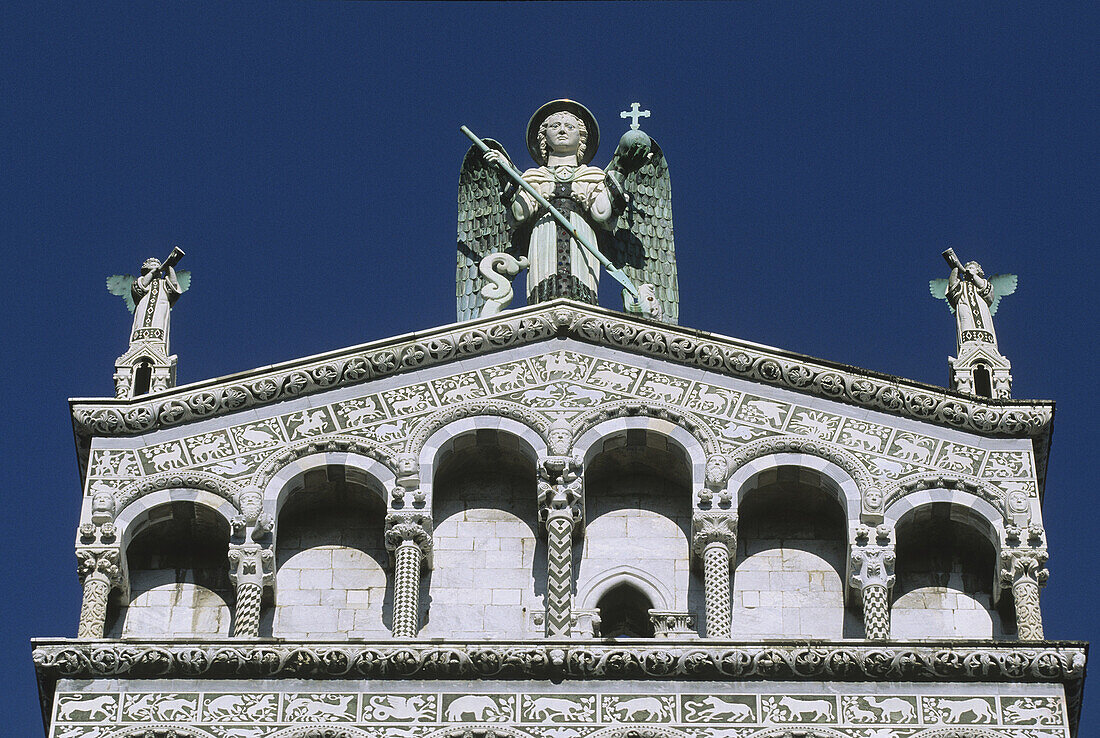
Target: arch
972, 488
490, 730
378, 458
803, 732
532, 443
135, 515
174, 546
967, 732
159, 730
640, 730
638, 410
832, 469
965, 508
178, 480
321, 731
429, 427
590, 591
364, 469
947, 557
588, 444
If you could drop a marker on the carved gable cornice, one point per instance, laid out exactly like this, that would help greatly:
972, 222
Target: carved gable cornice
584, 323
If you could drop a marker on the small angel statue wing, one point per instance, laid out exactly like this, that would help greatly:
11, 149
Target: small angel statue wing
184, 280
938, 288
483, 225
119, 284
641, 243
1003, 286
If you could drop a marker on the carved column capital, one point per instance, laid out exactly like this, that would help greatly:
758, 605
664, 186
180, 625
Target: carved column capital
1023, 564
103, 563
561, 489
713, 527
251, 563
409, 527
872, 559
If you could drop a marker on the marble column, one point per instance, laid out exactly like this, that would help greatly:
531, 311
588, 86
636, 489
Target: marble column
1023, 571
409, 539
872, 576
714, 541
251, 570
560, 490
99, 573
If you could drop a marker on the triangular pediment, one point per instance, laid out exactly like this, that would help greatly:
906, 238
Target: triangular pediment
562, 361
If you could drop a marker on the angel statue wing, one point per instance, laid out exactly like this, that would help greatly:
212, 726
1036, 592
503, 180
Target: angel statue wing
184, 280
1003, 286
641, 242
938, 288
119, 284
483, 226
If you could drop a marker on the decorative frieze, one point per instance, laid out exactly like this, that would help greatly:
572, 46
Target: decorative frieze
586, 324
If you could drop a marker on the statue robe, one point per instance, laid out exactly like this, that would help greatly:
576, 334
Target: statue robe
561, 267
153, 298
971, 303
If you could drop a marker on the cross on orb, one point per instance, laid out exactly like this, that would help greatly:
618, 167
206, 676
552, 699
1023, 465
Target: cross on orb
634, 114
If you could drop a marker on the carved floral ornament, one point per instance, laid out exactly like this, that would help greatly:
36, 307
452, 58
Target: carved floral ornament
584, 323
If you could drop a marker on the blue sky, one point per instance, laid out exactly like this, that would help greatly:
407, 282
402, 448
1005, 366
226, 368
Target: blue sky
306, 157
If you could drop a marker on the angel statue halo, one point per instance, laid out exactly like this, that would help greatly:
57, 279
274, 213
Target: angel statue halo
623, 211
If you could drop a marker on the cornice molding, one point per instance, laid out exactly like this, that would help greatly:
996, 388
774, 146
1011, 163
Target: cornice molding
584, 323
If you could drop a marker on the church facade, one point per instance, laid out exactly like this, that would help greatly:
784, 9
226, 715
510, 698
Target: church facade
561, 521
555, 522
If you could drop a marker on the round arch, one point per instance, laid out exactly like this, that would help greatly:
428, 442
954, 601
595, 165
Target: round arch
166, 730
589, 444
532, 445
134, 516
965, 508
364, 470
813, 469
177, 480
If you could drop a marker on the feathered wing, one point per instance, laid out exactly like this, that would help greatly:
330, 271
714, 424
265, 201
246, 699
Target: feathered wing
641, 244
1003, 285
184, 280
119, 284
938, 288
483, 226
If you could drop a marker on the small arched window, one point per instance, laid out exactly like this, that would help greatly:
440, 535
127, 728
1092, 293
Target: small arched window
624, 613
143, 376
983, 383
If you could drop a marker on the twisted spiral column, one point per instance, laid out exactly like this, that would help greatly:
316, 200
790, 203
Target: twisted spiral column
714, 539
99, 574
406, 589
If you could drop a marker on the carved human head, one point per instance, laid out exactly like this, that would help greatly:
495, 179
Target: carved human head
150, 265
561, 132
974, 267
577, 116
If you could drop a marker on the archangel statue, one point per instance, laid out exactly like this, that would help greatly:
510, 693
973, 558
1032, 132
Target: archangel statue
973, 298
564, 218
151, 295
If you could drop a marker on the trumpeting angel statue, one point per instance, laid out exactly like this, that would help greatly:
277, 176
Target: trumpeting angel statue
564, 218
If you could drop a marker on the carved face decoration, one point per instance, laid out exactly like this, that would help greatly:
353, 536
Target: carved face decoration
563, 134
872, 499
559, 440
150, 265
973, 266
